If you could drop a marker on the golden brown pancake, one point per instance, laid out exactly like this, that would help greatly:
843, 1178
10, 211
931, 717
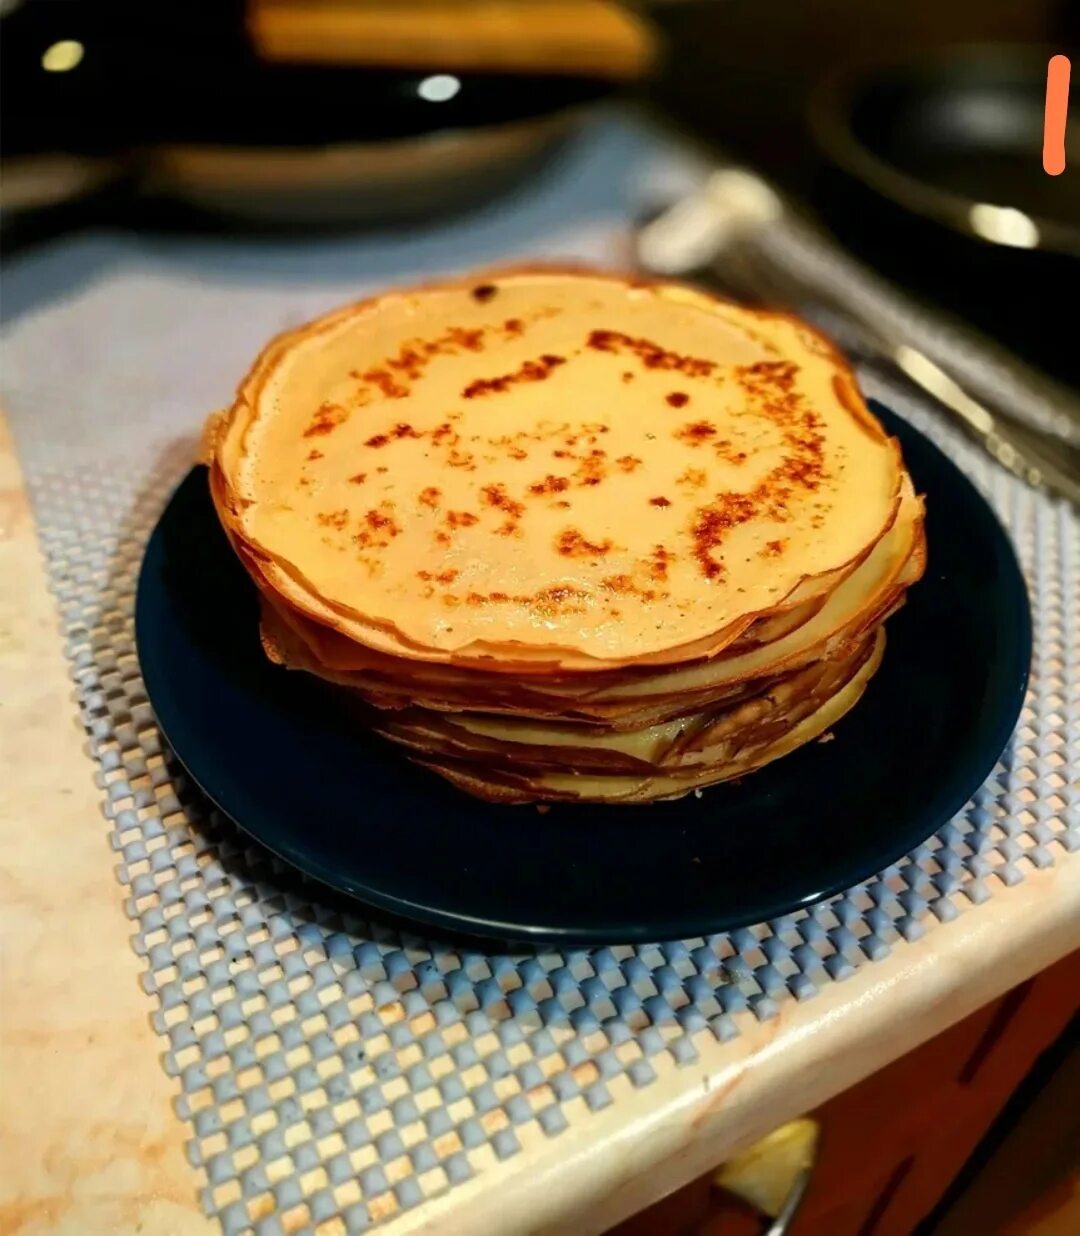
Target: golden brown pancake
693, 739
566, 535
569, 470
856, 604
569, 786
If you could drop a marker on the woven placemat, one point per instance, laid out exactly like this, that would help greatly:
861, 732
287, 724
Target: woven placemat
336, 1071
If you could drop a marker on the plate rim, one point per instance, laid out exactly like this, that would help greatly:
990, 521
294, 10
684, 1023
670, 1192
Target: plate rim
460, 924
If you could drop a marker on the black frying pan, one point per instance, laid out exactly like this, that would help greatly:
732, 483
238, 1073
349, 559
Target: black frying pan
181, 101
934, 173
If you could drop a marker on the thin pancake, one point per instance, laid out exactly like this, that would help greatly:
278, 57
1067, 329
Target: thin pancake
402, 471
618, 788
858, 602
691, 740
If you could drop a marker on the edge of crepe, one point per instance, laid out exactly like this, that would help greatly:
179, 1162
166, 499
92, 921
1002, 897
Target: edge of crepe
509, 790
510, 656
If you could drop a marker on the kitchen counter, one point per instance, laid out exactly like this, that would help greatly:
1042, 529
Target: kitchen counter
114, 349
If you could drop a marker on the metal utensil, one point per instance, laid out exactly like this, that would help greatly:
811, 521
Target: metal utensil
738, 228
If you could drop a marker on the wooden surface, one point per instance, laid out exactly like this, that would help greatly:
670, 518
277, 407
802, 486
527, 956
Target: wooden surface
88, 1140
890, 1147
1027, 1183
893, 1145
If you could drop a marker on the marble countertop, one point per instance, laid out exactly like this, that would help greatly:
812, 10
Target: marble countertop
89, 1136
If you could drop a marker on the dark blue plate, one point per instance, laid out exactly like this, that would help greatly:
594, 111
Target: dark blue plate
276, 753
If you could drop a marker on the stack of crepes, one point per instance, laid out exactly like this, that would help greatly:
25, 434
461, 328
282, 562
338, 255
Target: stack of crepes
565, 535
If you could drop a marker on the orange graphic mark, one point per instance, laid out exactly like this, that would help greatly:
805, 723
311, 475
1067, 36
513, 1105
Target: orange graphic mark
1058, 72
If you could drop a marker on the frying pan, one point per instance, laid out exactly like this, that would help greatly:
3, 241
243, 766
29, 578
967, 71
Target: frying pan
933, 171
298, 111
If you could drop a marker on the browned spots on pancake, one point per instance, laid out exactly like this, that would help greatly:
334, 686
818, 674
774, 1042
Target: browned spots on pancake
558, 593
381, 519
530, 371
333, 519
694, 433
394, 376
694, 477
572, 543
358, 479
628, 463
444, 433
326, 418
461, 519
440, 577
628, 376
626, 585
592, 469
555, 601
514, 326
313, 454
544, 431
660, 501
410, 360
780, 375
587, 433
550, 485
429, 497
385, 382
770, 390
472, 340
772, 549
490, 598
461, 459
661, 560
380, 527
496, 497
678, 399
712, 524
399, 431
484, 292
723, 449
650, 354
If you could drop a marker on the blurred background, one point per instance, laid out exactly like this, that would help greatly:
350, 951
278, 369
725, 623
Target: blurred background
890, 121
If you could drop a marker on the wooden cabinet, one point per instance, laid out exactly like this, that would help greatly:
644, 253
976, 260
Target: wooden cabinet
891, 1146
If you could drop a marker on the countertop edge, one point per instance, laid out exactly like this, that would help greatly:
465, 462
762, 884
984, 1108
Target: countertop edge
609, 1165
89, 1138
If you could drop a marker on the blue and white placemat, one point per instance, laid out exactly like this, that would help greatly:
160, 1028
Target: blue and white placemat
334, 1071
